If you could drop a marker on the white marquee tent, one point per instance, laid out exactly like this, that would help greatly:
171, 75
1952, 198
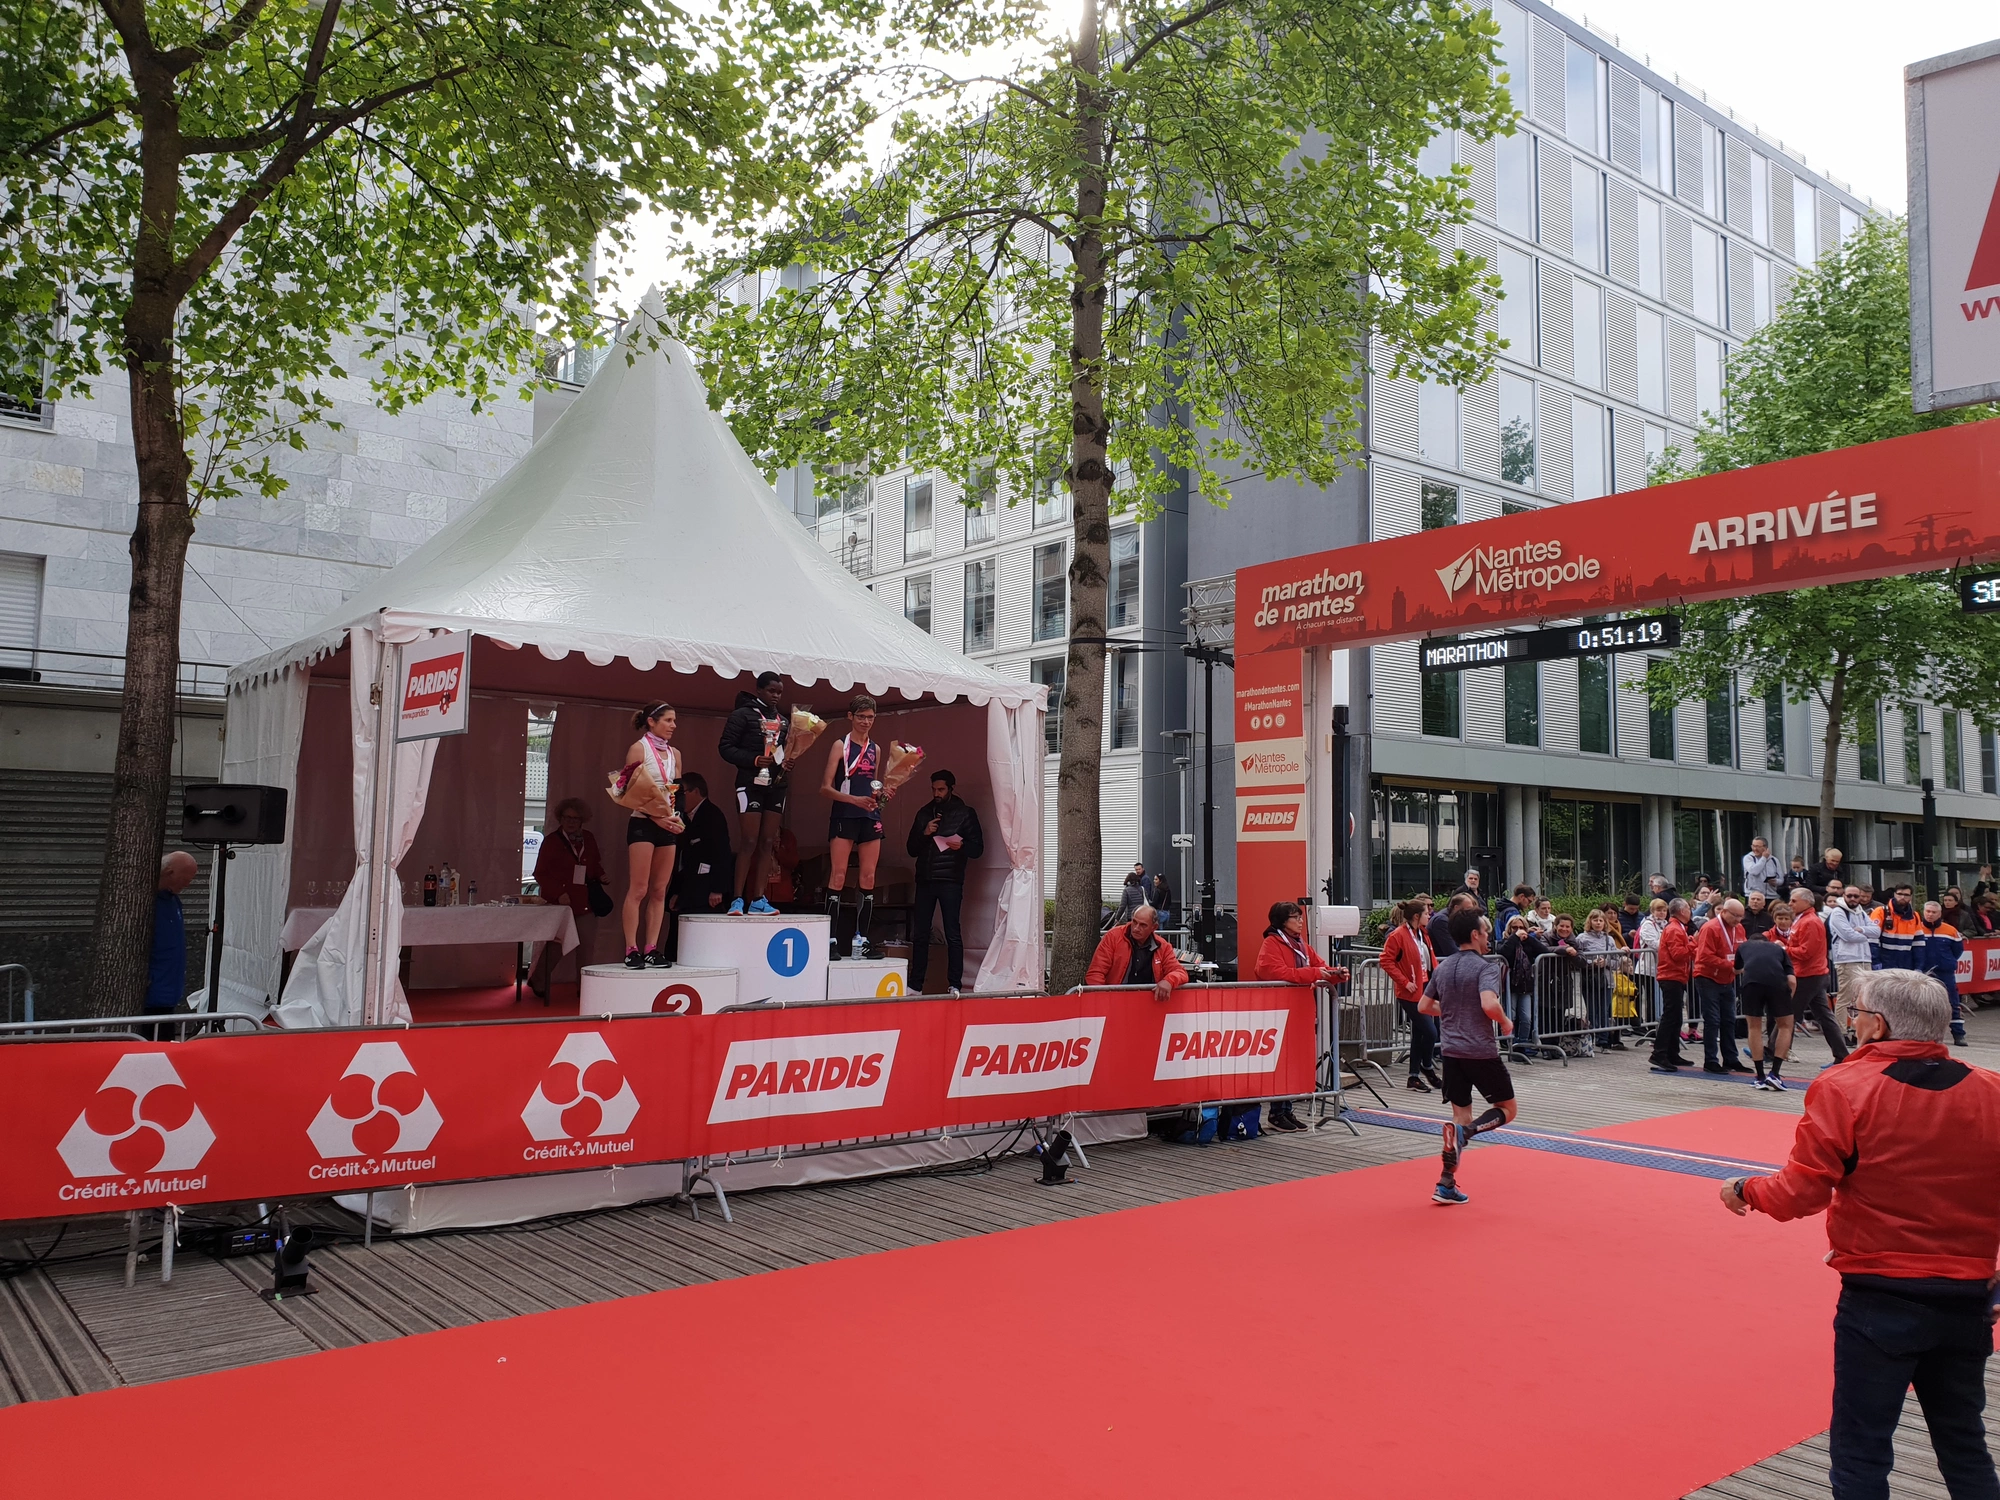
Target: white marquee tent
634, 553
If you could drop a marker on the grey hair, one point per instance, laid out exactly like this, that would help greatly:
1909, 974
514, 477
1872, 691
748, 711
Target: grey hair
1914, 1005
1143, 910
1678, 907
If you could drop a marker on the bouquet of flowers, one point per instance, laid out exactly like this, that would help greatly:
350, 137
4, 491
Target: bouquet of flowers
903, 762
639, 789
807, 726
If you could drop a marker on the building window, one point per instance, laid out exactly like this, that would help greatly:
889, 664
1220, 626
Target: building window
1868, 739
1954, 767
982, 511
23, 369
1517, 430
1124, 601
917, 601
1051, 598
1989, 763
1774, 730
916, 519
1524, 703
1659, 731
1593, 705
1051, 502
1589, 848
1722, 728
20, 615
1440, 692
1124, 700
1049, 673
1580, 111
1516, 314
979, 605
846, 519
1652, 331
1707, 278
1423, 841
1440, 505
1514, 179
1586, 196
1913, 727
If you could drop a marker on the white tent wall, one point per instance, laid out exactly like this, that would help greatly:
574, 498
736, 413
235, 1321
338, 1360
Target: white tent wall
263, 724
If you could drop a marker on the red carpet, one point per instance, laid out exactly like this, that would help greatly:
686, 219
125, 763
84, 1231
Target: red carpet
1338, 1335
1754, 1135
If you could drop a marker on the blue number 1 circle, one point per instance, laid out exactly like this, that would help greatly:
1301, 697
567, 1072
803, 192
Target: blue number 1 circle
788, 951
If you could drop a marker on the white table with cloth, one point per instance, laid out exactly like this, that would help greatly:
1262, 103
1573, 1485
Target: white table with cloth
450, 926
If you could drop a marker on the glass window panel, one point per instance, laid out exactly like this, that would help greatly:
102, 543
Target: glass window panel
1652, 328
1593, 705
1805, 232
1517, 430
1760, 199
1587, 334
1440, 692
917, 600
1587, 466
1559, 848
1989, 762
1435, 158
1868, 739
1707, 278
979, 605
1708, 376
1593, 847
1913, 761
1051, 597
1448, 851
982, 515
1524, 703
1954, 767
1649, 246
1580, 110
1659, 731
1409, 843
916, 519
1051, 503
1774, 730
1722, 729
1440, 505
1513, 49
1656, 445
1124, 700
1649, 136
1437, 423
1516, 313
1124, 577
1049, 673
1760, 290
1586, 202
1514, 182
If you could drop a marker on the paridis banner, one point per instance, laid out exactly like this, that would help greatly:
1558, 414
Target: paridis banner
92, 1127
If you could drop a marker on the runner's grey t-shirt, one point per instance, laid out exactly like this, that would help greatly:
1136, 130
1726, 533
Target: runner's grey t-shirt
1466, 1029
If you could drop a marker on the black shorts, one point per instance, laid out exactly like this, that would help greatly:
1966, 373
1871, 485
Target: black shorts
1487, 1074
760, 799
855, 830
646, 831
1756, 1000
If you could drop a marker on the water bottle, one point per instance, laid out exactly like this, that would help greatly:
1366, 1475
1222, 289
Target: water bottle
431, 886
472, 893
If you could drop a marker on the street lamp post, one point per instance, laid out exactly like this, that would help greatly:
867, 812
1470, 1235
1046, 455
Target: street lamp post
1927, 854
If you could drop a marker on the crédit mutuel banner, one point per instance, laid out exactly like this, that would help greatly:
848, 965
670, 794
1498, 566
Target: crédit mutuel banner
1906, 505
91, 1127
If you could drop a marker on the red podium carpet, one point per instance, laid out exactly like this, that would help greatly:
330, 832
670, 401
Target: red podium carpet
1336, 1336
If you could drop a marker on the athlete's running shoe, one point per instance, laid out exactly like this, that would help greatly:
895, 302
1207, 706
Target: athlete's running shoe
1447, 1193
634, 959
1452, 1143
736, 907
762, 908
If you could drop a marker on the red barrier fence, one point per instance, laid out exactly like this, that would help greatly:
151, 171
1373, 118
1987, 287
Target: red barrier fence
92, 1127
1979, 966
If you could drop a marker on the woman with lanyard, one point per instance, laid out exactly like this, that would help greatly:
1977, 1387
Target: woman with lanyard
853, 784
1407, 960
651, 837
1286, 959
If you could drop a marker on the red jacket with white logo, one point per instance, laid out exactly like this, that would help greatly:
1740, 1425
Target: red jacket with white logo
1900, 1145
1807, 944
1406, 959
1113, 959
1715, 950
1676, 953
1279, 960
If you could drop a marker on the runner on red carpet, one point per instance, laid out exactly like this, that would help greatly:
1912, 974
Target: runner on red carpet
1464, 993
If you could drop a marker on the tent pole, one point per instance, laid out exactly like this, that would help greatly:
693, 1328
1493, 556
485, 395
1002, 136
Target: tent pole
385, 728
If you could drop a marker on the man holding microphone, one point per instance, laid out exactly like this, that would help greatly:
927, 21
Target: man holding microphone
1900, 1146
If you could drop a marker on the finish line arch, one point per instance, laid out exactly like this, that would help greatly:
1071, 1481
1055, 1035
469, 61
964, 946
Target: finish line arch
1912, 504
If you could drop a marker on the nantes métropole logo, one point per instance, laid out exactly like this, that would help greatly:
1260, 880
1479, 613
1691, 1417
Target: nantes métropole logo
1532, 567
1985, 264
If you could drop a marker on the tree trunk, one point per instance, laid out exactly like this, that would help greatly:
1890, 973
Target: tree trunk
1836, 711
160, 538
1079, 835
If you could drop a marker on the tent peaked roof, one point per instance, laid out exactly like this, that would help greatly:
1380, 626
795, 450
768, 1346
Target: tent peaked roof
638, 527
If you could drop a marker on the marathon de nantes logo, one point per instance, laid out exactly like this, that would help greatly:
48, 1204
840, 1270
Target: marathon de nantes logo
1028, 1058
804, 1075
1212, 1043
378, 1112
584, 1106
141, 1121
1326, 595
1531, 567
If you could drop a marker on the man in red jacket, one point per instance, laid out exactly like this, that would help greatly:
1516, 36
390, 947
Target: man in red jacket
1676, 967
1807, 944
1715, 988
1133, 954
1900, 1145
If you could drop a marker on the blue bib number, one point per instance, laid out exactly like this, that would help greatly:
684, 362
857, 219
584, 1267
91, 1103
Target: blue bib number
788, 951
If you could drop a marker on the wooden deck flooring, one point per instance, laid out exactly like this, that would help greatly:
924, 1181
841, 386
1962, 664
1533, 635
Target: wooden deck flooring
70, 1325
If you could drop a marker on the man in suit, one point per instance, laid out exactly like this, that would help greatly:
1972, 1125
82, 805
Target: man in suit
943, 837
705, 874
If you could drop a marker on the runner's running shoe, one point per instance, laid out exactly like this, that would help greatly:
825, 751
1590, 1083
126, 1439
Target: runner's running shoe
736, 907
1448, 1194
762, 908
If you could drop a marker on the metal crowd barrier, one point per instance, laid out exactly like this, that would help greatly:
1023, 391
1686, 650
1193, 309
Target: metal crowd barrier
1577, 997
170, 1026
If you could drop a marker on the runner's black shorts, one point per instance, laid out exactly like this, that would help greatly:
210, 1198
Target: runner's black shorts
855, 828
646, 831
1487, 1074
760, 799
1760, 1001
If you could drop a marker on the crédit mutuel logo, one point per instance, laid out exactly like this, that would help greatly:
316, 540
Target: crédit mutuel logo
1531, 567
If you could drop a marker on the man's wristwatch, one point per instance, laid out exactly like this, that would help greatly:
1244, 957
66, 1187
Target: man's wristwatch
1736, 1187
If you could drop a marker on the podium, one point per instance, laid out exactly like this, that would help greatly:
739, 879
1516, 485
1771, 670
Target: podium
778, 957
867, 979
683, 990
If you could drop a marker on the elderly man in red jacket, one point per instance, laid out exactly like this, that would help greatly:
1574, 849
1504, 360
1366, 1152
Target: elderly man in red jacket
1134, 953
1715, 988
1900, 1145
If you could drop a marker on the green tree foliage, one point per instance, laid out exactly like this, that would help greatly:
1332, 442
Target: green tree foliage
228, 205
1831, 370
1152, 252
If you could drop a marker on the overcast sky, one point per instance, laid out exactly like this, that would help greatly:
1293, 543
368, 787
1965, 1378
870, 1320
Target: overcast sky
1824, 77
